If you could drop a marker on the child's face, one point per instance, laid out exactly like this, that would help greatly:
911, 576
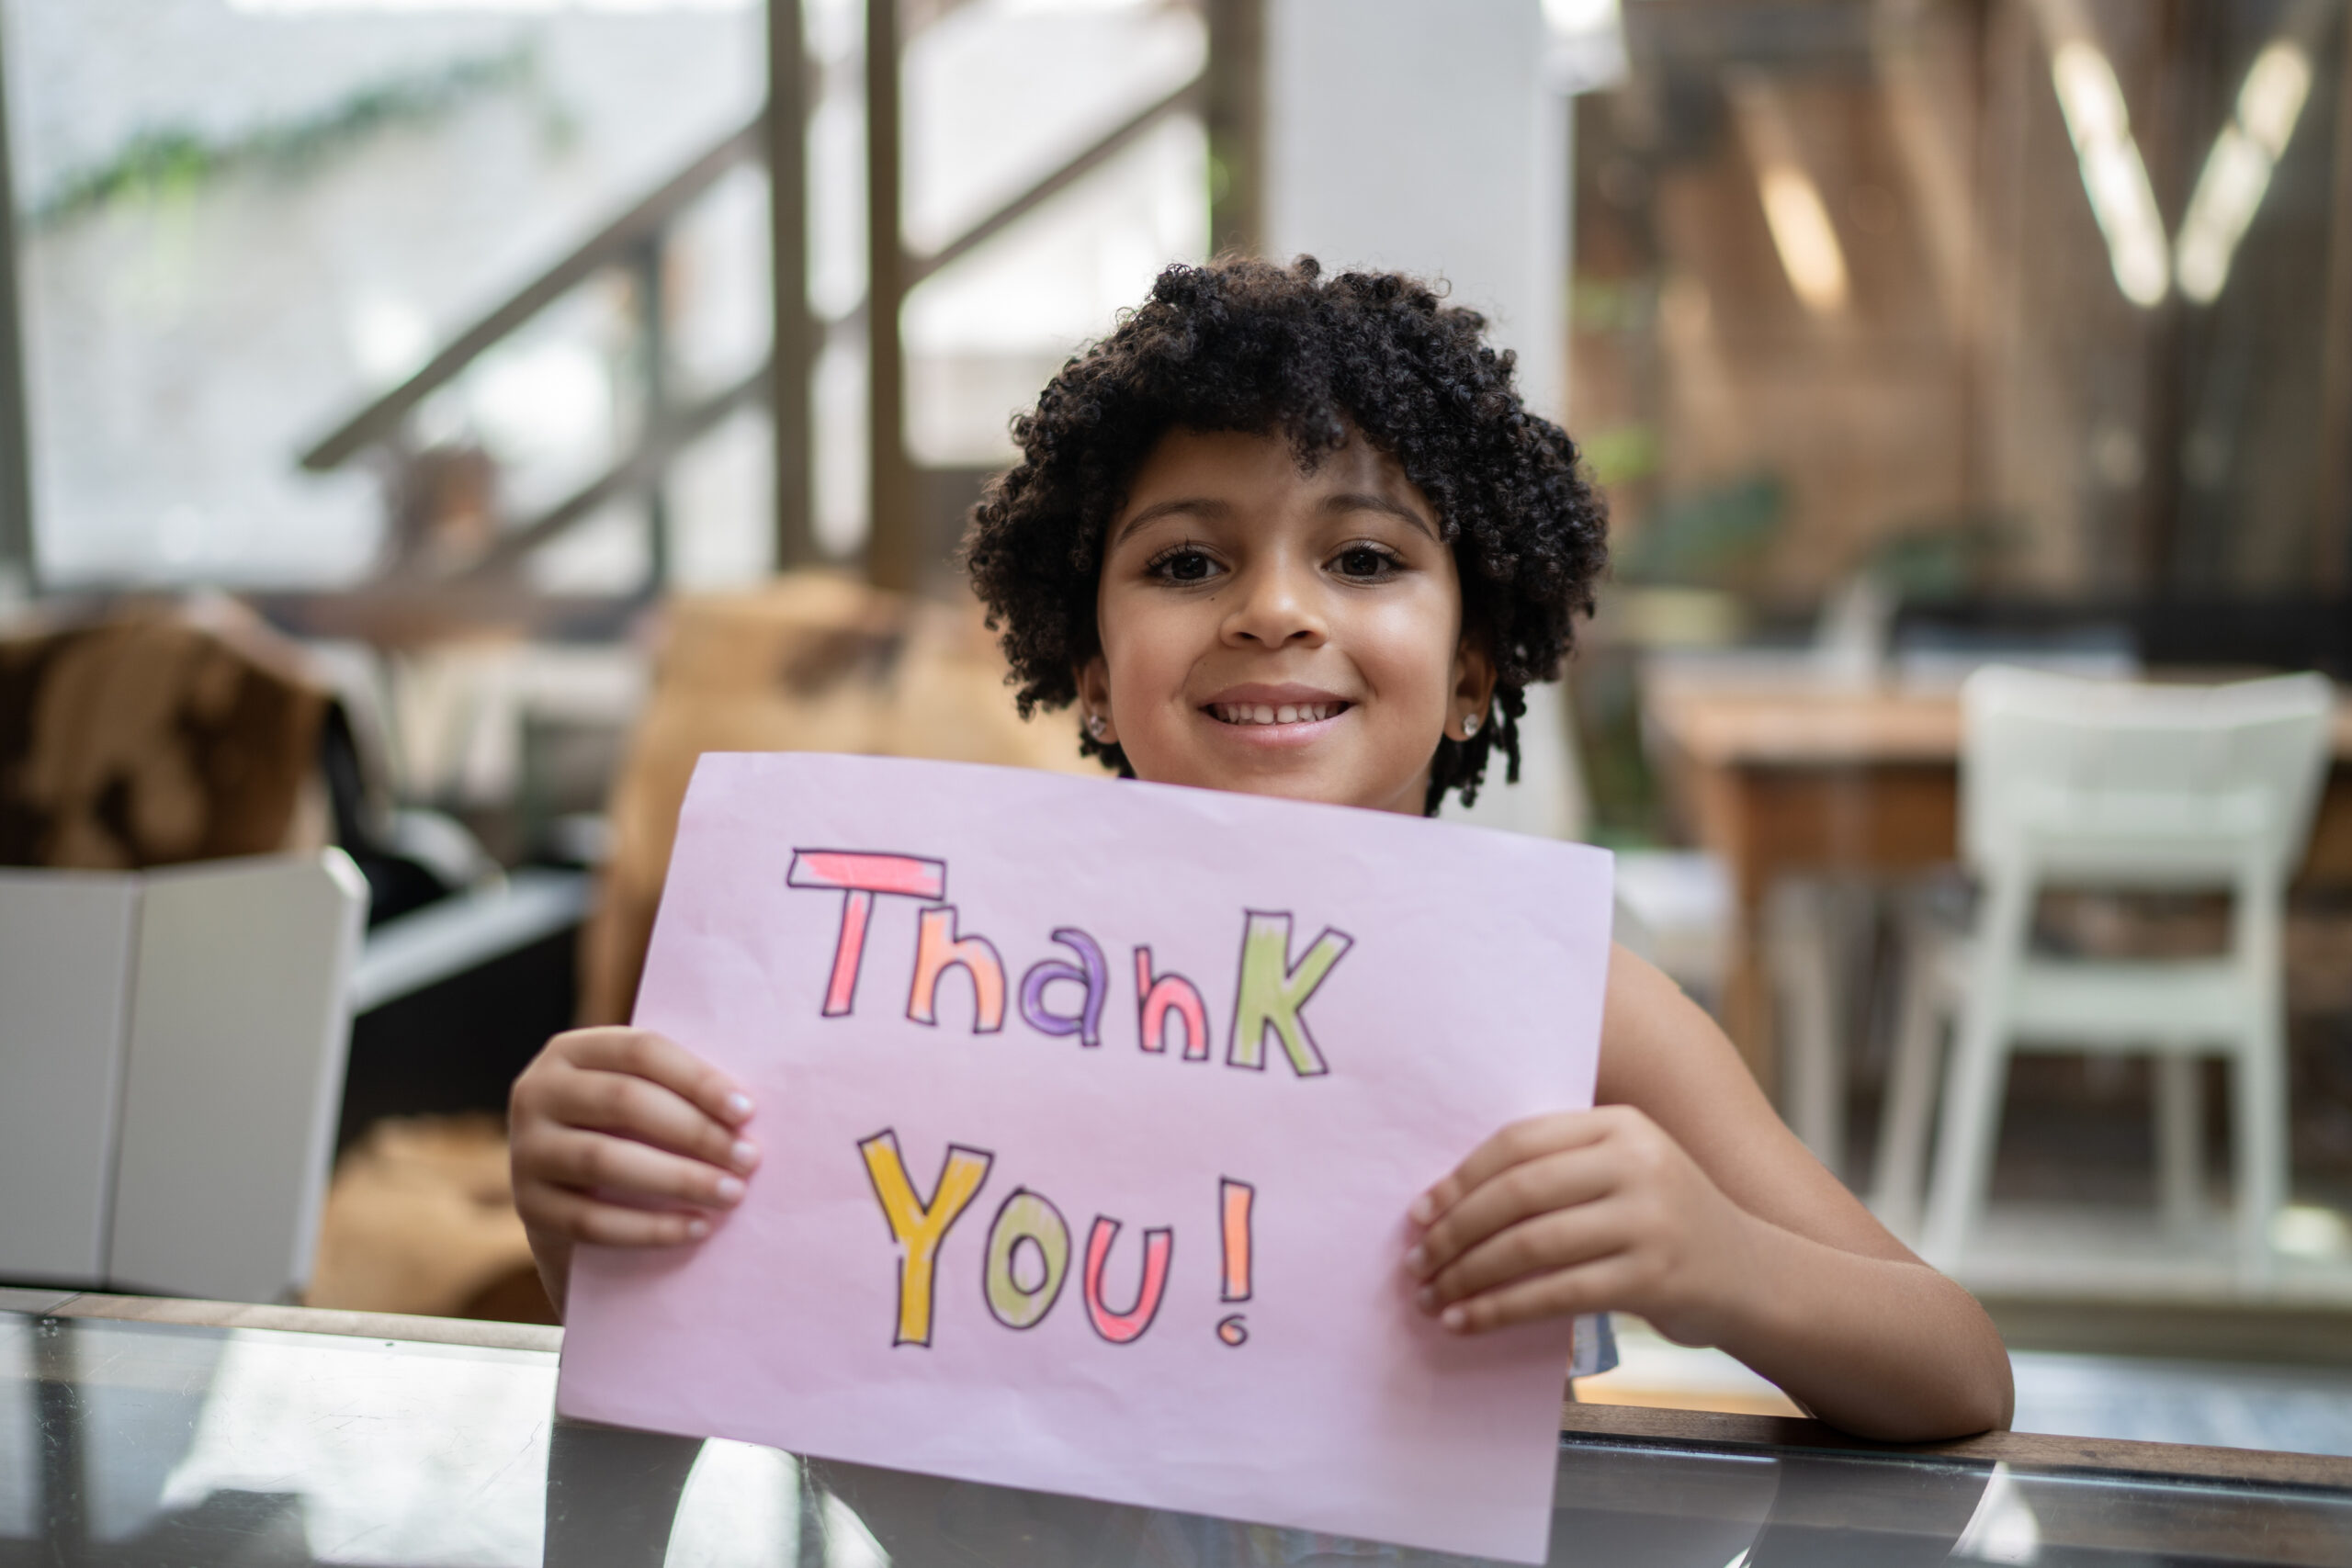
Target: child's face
1278, 632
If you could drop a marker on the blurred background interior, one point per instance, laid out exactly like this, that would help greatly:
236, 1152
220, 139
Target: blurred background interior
425, 425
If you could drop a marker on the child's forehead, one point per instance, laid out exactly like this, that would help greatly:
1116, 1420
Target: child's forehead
1266, 464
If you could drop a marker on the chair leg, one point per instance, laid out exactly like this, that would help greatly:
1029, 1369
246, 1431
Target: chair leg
2180, 1127
1977, 1071
1976, 1076
1803, 935
2261, 1117
1910, 1089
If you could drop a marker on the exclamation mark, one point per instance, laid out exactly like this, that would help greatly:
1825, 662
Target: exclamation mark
1235, 1199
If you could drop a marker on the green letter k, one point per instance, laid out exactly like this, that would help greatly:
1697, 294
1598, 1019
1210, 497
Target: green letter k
1272, 994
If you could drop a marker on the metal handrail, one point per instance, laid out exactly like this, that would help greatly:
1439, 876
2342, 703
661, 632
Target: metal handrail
645, 462
659, 445
1098, 153
652, 213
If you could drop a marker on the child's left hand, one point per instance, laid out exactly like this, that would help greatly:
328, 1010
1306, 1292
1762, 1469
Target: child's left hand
1580, 1212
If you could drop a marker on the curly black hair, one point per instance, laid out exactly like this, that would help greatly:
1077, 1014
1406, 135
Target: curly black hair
1242, 344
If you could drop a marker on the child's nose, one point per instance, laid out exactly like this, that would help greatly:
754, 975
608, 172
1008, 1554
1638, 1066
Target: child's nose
1277, 606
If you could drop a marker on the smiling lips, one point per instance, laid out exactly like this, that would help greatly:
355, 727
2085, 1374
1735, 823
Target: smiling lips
1275, 713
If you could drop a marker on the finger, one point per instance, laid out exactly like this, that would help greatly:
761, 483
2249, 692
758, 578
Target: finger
1568, 1293
1515, 1145
611, 1224
643, 1054
599, 1162
650, 1112
1561, 1239
1518, 1192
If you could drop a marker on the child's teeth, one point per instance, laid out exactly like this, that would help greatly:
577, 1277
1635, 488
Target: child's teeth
1271, 713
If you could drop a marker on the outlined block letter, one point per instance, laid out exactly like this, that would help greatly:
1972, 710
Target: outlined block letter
1125, 1327
859, 876
1095, 977
1235, 1202
1157, 996
1026, 1216
1273, 995
938, 949
919, 1225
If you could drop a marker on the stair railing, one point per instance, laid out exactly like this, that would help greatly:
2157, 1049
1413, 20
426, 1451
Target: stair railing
636, 240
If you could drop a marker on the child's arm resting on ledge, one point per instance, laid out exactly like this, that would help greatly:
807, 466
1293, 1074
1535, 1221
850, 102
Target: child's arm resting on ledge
1684, 1199
620, 1137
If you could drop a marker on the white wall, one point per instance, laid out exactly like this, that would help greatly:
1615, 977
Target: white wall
1425, 135
1422, 136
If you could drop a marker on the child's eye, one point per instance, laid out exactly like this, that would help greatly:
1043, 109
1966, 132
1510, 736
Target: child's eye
1185, 563
1364, 561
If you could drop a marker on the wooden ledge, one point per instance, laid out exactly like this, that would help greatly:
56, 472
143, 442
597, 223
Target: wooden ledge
2024, 1451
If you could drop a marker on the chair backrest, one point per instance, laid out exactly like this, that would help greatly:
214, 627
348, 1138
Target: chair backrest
2152, 786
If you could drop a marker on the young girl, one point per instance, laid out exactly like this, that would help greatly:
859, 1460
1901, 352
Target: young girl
1301, 538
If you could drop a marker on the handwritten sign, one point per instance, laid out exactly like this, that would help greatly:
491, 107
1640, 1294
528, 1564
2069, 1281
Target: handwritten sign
1091, 1112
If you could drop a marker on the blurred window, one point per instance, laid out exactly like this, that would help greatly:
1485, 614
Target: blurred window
242, 220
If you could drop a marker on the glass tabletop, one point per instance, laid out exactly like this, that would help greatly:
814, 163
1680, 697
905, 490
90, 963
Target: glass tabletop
127, 1443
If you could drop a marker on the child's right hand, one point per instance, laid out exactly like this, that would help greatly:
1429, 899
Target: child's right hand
620, 1137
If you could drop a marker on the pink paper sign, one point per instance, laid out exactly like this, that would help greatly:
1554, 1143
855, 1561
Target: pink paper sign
1091, 1112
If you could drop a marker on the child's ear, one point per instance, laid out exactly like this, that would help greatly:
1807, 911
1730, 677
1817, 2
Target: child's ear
1474, 689
1094, 702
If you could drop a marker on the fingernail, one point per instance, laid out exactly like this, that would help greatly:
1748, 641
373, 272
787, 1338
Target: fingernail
697, 1229
739, 1106
1417, 1260
1424, 1209
1455, 1319
1426, 1298
744, 1155
729, 1190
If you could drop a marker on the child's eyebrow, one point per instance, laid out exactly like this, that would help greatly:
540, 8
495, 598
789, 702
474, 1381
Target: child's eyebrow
1199, 506
1371, 501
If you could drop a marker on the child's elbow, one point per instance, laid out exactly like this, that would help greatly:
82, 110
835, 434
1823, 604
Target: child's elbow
2001, 1404
1985, 1400
1968, 1400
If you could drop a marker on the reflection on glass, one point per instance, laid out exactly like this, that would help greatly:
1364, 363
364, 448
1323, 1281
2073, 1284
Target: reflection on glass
376, 1440
295, 1449
133, 1425
2004, 1529
20, 1445
847, 1542
741, 1509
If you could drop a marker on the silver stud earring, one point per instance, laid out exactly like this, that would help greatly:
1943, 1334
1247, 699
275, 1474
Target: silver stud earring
1095, 727
1470, 722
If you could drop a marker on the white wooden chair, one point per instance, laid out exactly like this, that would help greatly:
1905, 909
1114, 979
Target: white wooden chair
172, 1048
2112, 785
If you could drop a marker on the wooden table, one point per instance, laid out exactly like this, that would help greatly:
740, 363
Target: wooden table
1781, 773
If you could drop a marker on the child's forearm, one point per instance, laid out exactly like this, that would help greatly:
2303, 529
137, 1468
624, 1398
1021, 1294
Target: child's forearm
1880, 1347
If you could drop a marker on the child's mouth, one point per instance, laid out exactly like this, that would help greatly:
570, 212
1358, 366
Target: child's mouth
1275, 713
